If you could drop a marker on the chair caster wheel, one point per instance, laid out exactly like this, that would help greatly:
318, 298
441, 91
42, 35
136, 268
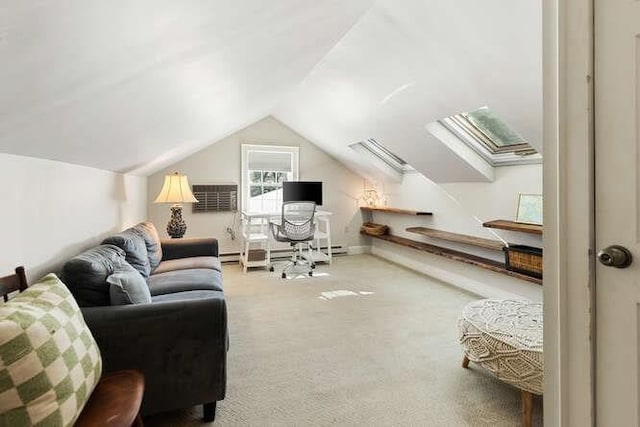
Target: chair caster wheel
313, 266
284, 275
310, 273
271, 269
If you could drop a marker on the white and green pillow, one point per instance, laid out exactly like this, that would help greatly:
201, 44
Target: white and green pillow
49, 361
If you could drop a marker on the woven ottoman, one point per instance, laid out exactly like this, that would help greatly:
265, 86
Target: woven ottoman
505, 338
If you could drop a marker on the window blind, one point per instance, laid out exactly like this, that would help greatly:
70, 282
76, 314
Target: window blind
269, 161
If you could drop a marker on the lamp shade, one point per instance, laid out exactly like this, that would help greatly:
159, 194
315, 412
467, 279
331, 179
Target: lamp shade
175, 190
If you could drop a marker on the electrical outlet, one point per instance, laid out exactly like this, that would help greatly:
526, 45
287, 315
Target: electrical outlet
346, 230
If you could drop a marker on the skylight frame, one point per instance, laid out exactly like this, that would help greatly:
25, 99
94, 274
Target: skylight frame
374, 148
496, 155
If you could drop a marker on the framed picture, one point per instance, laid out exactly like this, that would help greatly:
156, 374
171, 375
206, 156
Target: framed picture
529, 209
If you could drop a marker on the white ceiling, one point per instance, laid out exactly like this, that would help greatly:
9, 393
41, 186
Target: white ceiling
136, 85
133, 84
406, 64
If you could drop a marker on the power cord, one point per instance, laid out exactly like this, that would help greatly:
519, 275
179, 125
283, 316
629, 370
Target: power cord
231, 228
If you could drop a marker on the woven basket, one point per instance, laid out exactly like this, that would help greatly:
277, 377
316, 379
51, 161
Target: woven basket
524, 259
256, 255
374, 229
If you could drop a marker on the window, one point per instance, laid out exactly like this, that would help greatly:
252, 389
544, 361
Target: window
379, 153
264, 169
491, 137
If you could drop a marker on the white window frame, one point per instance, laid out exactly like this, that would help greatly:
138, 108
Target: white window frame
248, 148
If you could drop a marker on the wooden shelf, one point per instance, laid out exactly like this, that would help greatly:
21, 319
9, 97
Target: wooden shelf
457, 238
504, 224
394, 211
487, 264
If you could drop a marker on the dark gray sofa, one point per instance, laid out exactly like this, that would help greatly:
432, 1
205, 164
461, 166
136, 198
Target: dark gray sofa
179, 340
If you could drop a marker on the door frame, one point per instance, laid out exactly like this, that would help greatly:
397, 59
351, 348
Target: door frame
569, 304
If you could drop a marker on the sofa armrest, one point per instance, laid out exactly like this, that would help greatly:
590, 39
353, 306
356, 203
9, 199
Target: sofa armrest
183, 248
180, 347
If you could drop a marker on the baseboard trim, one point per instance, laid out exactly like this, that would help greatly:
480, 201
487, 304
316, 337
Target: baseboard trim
358, 250
282, 254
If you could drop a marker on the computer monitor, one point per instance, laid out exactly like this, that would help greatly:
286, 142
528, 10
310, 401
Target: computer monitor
302, 191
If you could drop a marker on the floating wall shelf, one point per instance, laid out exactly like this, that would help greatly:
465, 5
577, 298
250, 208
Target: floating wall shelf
458, 238
394, 211
485, 263
504, 224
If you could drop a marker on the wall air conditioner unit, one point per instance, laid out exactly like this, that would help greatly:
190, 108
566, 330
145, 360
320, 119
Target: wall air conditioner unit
215, 197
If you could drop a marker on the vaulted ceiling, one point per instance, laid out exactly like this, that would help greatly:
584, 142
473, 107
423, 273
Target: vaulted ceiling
407, 64
136, 85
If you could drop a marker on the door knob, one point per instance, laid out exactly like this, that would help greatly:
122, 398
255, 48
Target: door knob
615, 256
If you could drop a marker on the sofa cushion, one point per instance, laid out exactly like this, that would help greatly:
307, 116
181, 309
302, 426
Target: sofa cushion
151, 238
86, 274
127, 286
187, 295
49, 361
135, 250
189, 247
185, 280
209, 262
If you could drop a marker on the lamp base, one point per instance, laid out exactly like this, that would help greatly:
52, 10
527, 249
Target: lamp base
176, 226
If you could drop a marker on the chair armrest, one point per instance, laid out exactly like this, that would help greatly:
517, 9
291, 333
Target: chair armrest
179, 346
184, 248
275, 227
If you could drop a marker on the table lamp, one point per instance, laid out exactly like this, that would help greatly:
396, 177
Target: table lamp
176, 190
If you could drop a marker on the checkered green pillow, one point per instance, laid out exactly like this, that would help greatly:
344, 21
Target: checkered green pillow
49, 361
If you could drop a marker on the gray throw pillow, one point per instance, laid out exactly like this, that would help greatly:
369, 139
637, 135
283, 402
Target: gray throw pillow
151, 238
127, 286
135, 250
86, 274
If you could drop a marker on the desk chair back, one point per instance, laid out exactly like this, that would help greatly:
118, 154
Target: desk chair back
13, 282
298, 221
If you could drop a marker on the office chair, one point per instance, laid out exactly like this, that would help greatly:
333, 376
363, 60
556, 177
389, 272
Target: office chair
296, 227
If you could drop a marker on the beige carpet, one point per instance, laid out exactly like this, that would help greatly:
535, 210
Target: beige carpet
386, 358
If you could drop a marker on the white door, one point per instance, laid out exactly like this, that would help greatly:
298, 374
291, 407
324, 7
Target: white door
617, 138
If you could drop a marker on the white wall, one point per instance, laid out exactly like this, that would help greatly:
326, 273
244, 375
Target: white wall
53, 210
221, 163
462, 208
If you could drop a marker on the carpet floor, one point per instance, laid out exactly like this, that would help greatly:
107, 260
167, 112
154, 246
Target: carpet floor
385, 352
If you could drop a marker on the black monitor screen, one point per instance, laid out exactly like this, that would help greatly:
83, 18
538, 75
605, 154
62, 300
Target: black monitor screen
302, 191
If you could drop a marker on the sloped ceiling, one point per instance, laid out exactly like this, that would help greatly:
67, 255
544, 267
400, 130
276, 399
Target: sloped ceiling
133, 85
406, 64
137, 85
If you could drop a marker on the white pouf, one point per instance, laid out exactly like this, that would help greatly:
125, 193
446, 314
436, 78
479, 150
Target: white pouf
505, 338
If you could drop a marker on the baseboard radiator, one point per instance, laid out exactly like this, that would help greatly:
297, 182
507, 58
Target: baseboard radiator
284, 254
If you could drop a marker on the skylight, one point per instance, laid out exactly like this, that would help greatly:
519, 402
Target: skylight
491, 137
493, 127
371, 147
